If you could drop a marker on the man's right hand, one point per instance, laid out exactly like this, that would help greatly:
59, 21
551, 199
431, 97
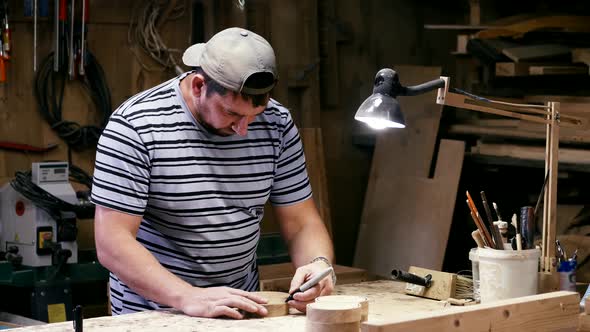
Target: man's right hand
221, 301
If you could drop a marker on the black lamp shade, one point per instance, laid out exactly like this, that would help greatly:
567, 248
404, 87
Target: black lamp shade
381, 111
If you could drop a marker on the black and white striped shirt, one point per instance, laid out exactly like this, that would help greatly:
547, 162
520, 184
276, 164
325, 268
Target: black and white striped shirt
201, 195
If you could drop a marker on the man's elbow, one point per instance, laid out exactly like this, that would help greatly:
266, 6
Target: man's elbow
102, 250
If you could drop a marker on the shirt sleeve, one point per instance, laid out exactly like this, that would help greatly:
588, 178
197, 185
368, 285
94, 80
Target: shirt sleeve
291, 183
122, 168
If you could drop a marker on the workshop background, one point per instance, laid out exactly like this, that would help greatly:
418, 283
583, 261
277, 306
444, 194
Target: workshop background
328, 52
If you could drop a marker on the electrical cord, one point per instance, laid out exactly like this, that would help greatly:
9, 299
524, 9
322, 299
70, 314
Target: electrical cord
143, 33
49, 92
51, 204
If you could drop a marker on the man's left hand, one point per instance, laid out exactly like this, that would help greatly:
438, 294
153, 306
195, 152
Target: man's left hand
303, 274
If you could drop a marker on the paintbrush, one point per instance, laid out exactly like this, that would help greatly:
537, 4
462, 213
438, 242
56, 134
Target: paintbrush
483, 228
497, 210
493, 228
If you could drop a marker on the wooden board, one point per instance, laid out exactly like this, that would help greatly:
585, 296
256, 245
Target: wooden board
566, 155
277, 277
558, 70
535, 52
410, 215
556, 311
512, 69
522, 26
388, 311
581, 55
442, 288
276, 304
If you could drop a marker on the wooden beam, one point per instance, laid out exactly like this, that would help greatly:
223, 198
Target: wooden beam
536, 52
558, 70
460, 101
511, 69
566, 156
443, 284
569, 23
581, 55
545, 312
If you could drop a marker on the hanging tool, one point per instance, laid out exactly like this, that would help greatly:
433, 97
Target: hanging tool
71, 52
83, 36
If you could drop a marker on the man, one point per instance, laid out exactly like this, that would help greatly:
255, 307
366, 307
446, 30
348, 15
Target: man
182, 173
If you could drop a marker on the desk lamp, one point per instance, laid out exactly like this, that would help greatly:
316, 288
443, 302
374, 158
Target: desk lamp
381, 110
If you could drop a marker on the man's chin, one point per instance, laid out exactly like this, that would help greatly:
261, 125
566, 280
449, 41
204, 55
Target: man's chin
220, 132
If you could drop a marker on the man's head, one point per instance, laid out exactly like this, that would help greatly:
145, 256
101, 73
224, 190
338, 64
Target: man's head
236, 70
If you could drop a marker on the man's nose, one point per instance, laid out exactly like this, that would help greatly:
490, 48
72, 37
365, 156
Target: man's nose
241, 126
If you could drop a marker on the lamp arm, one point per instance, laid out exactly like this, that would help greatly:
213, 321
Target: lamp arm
422, 88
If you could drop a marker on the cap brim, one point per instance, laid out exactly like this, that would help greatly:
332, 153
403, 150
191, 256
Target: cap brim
192, 55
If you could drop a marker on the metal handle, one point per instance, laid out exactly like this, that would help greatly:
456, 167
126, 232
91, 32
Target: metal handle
400, 275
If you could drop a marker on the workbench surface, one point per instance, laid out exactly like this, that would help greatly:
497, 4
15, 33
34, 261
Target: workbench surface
385, 302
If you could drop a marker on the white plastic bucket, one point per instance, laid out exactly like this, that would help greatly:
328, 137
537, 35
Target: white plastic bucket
505, 274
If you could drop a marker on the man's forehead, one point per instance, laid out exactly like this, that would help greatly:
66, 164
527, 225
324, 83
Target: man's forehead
236, 103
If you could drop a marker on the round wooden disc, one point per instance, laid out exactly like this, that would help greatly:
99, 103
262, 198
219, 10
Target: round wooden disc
363, 301
276, 304
334, 312
331, 327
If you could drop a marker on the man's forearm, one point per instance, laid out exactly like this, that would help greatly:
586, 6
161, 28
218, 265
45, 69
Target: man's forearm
310, 241
139, 269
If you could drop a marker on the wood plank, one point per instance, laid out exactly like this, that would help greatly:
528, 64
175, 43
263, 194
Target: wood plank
512, 69
519, 131
535, 52
583, 323
570, 156
556, 311
581, 55
519, 28
277, 277
398, 228
443, 284
558, 70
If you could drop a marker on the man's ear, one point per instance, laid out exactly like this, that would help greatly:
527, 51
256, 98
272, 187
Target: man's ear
198, 84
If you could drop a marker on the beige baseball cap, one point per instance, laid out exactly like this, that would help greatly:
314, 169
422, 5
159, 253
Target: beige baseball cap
231, 56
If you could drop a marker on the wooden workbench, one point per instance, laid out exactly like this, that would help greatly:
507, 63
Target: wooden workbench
386, 303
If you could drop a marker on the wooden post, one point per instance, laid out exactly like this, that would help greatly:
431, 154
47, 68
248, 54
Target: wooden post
550, 195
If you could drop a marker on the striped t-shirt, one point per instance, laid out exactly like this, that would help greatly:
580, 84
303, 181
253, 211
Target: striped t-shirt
201, 195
